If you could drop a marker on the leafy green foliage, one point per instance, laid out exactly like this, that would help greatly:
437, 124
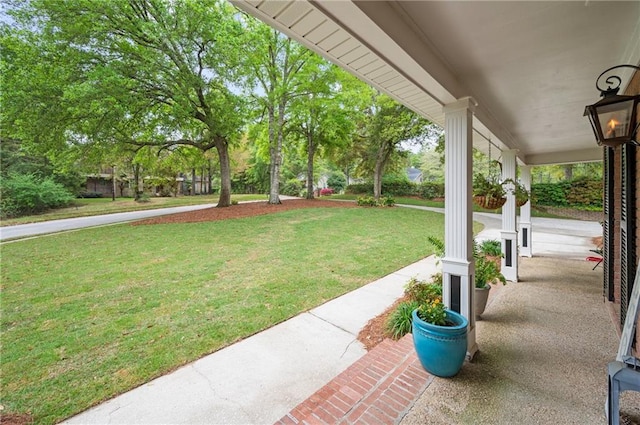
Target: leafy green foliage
488, 186
399, 321
293, 187
585, 192
487, 272
492, 247
431, 190
433, 312
370, 201
580, 192
337, 182
552, 194
27, 194
418, 293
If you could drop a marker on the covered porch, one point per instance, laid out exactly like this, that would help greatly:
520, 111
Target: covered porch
512, 76
544, 346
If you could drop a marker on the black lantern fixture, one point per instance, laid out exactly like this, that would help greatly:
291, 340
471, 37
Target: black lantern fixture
614, 118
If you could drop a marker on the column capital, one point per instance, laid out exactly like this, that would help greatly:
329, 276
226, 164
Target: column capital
464, 103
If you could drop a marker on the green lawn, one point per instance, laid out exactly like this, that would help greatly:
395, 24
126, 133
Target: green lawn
96, 206
89, 314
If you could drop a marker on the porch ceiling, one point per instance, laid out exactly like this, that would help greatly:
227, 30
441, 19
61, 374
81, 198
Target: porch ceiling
531, 66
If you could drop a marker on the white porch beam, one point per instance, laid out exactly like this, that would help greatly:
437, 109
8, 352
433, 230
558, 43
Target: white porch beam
525, 235
458, 267
509, 233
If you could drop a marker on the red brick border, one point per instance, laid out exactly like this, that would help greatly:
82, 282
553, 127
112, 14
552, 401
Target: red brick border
380, 388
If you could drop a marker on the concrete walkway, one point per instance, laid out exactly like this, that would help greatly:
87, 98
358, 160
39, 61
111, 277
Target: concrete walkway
260, 379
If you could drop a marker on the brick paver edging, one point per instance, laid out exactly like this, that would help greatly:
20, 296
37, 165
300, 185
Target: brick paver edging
379, 388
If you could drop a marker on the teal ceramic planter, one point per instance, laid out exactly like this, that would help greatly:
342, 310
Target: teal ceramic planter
441, 349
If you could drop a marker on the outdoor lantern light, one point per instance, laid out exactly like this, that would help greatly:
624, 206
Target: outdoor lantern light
614, 118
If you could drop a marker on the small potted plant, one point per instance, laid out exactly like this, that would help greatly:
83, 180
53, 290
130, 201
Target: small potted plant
487, 272
439, 338
488, 192
439, 335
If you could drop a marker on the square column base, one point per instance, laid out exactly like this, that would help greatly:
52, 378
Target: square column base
510, 258
524, 236
458, 295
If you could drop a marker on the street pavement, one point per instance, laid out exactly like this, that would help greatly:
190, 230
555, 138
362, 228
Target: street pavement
55, 226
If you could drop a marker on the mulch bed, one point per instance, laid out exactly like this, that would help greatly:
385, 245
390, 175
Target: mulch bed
15, 419
245, 209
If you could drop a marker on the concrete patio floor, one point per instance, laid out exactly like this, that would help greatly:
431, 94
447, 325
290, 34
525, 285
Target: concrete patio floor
544, 345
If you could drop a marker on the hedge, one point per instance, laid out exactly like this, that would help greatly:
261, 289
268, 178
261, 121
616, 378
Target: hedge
425, 190
579, 192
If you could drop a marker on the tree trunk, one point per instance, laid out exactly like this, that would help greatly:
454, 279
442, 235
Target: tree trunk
225, 174
568, 172
193, 181
311, 150
136, 181
275, 152
203, 182
210, 179
378, 171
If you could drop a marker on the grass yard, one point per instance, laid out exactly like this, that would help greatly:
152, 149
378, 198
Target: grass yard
90, 314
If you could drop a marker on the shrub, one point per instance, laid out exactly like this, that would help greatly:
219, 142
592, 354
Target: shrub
360, 188
550, 194
418, 294
386, 201
234, 202
326, 191
423, 291
337, 182
431, 190
399, 321
292, 187
23, 194
492, 247
366, 201
370, 201
587, 192
398, 187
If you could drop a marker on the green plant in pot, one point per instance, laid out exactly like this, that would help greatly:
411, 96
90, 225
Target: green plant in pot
488, 192
491, 249
487, 271
439, 335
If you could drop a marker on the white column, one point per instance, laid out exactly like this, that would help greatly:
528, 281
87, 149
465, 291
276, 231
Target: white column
524, 233
457, 264
509, 233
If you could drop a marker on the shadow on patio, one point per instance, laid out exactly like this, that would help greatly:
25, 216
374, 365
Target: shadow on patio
544, 345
